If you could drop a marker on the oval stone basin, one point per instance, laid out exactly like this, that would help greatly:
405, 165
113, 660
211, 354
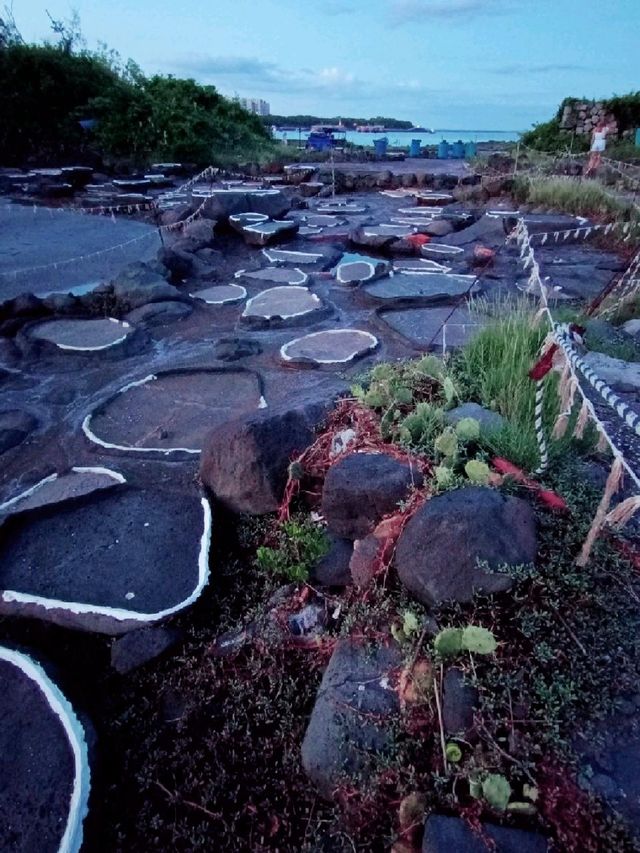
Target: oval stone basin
82, 335
282, 302
173, 411
221, 294
334, 346
44, 797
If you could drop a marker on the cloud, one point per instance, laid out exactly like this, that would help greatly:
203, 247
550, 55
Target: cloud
545, 68
255, 75
412, 11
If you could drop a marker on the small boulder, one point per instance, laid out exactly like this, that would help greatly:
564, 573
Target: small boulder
158, 313
438, 552
333, 568
362, 487
138, 284
201, 231
452, 835
488, 420
139, 647
245, 462
356, 701
632, 327
232, 349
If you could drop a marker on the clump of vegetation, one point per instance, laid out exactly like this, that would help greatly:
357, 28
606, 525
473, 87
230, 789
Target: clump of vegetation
46, 90
296, 545
580, 198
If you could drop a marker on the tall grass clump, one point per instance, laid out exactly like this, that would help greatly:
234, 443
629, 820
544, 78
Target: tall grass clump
493, 369
580, 198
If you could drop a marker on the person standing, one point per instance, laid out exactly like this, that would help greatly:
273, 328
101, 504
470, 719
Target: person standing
598, 145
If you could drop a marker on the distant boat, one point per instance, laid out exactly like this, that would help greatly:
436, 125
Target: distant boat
421, 130
370, 128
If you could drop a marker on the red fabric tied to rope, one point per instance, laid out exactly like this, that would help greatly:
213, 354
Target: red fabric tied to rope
417, 240
483, 254
543, 365
550, 499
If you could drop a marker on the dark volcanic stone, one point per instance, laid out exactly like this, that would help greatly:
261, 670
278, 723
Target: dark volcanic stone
347, 730
141, 646
458, 702
232, 349
36, 766
333, 569
452, 835
224, 203
158, 313
15, 426
138, 284
137, 551
361, 488
438, 551
245, 462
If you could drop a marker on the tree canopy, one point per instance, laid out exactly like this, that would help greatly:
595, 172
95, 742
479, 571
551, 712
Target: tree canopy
47, 89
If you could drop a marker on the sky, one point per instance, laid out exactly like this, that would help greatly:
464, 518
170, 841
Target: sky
458, 64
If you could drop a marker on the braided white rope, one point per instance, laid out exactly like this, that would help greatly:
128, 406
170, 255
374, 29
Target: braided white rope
521, 235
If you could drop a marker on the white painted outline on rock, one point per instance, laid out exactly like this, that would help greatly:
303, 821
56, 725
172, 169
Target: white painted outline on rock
268, 253
441, 249
117, 477
229, 301
94, 439
287, 288
242, 218
303, 278
122, 323
79, 802
371, 266
353, 355
120, 614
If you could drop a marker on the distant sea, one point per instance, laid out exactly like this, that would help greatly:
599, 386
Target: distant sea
404, 137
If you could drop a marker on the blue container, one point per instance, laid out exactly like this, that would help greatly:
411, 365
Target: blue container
443, 150
470, 150
380, 146
414, 150
637, 137
457, 150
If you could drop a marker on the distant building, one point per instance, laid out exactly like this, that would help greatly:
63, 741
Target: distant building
256, 105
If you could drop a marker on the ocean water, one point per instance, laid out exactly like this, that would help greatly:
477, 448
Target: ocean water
402, 137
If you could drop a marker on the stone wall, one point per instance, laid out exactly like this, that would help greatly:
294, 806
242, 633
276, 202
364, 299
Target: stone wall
582, 116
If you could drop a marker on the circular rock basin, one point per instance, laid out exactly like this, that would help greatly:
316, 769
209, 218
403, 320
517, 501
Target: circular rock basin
421, 212
82, 335
240, 220
282, 303
419, 266
45, 780
334, 346
430, 287
173, 411
341, 207
433, 199
278, 275
116, 560
221, 294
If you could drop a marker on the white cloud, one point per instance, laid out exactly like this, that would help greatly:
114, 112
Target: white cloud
423, 11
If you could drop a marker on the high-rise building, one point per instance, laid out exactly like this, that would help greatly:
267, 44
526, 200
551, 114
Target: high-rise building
256, 105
